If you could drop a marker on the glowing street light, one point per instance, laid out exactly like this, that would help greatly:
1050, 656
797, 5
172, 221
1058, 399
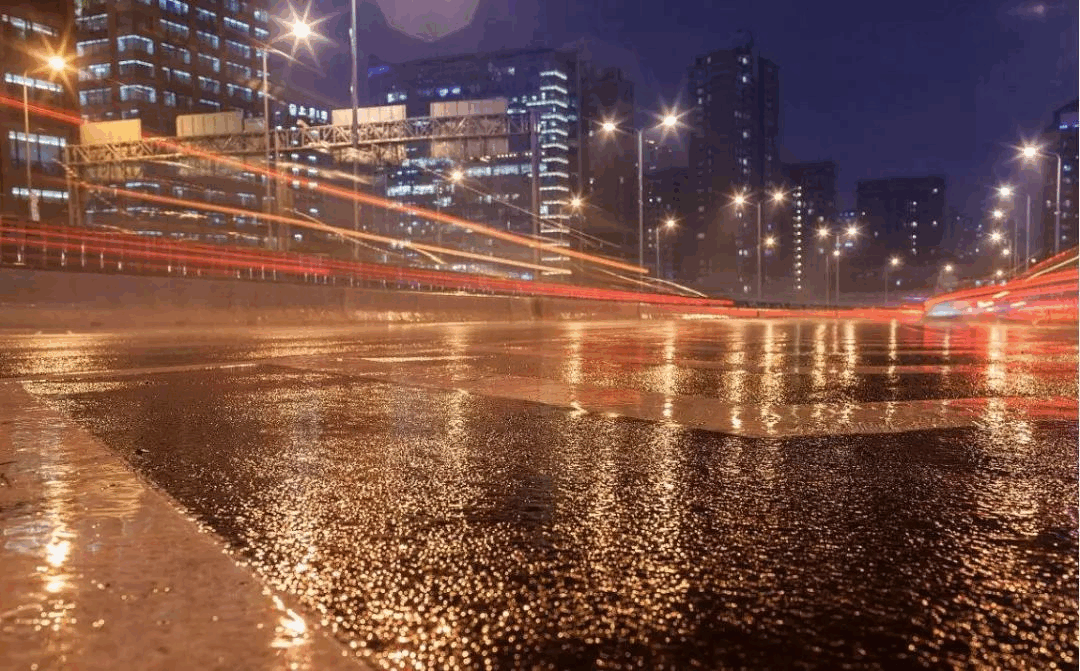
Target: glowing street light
997, 214
1030, 153
996, 236
852, 231
948, 267
669, 224
894, 262
56, 64
576, 202
741, 199
1005, 191
456, 176
301, 29
999, 273
669, 121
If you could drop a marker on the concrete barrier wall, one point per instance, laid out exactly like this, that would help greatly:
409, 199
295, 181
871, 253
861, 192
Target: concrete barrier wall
34, 299
39, 299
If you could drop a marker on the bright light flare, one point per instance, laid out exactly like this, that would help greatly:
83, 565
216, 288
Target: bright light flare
1004, 191
576, 202
301, 29
770, 241
996, 236
852, 231
894, 261
609, 126
998, 214
778, 196
822, 232
457, 176
948, 267
670, 223
56, 63
740, 200
1030, 151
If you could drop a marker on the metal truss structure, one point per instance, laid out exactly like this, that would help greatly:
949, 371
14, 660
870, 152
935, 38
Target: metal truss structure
379, 142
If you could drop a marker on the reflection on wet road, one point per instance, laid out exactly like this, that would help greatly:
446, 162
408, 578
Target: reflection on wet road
665, 495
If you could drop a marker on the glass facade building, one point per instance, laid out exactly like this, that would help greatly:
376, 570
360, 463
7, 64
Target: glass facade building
28, 32
491, 182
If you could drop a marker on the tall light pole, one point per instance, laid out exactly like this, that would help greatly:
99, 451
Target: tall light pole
669, 121
300, 31
894, 262
55, 64
354, 84
1031, 152
822, 234
740, 200
668, 224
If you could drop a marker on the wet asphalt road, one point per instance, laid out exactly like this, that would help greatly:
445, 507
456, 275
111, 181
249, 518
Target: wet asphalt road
648, 495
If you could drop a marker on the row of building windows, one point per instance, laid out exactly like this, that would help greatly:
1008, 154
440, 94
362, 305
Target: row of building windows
40, 84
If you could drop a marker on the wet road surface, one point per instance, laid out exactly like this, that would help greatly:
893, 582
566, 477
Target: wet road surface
733, 494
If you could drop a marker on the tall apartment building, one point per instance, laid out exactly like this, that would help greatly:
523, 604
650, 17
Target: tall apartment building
902, 216
28, 33
156, 59
811, 201
163, 60
570, 98
1061, 138
735, 126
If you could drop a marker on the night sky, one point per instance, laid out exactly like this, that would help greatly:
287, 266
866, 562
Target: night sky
884, 89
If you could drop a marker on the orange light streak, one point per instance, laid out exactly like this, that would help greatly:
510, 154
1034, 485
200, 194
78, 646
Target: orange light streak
303, 223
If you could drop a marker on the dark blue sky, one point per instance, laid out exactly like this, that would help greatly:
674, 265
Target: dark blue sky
882, 88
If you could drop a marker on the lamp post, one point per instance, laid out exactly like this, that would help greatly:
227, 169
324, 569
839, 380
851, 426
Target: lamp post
55, 64
576, 203
1031, 152
301, 31
668, 224
823, 233
670, 120
894, 262
740, 200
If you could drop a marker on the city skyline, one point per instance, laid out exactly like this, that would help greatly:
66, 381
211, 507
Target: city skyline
823, 116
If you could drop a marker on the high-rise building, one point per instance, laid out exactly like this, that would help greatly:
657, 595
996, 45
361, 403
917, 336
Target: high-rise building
570, 98
811, 203
156, 59
1061, 139
29, 33
902, 216
735, 125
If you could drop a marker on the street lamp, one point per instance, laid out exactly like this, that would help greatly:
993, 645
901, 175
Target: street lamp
740, 200
670, 121
1030, 153
669, 224
300, 30
823, 233
55, 64
894, 262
